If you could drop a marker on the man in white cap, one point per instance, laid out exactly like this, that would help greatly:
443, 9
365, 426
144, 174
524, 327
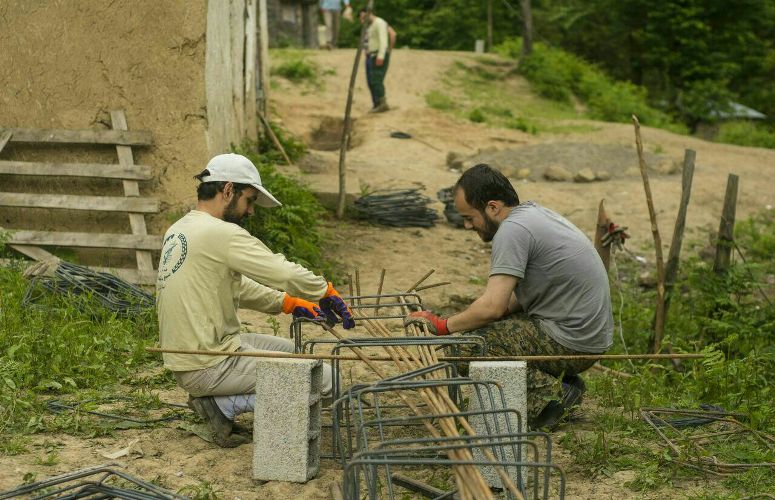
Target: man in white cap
209, 267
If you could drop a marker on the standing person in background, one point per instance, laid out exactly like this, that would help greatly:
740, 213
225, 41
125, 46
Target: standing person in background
380, 41
330, 10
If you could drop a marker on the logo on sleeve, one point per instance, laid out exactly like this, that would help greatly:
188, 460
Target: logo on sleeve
173, 254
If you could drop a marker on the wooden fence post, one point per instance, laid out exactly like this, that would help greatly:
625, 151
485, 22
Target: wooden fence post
726, 229
347, 121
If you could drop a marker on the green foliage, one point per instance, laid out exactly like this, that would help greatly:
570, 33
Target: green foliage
297, 70
744, 133
523, 125
476, 115
292, 228
725, 317
66, 343
561, 76
437, 100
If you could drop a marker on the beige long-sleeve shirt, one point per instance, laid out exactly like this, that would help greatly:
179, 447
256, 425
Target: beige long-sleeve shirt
208, 269
378, 37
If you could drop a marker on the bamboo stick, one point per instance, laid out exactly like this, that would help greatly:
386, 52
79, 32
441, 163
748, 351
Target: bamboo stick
575, 357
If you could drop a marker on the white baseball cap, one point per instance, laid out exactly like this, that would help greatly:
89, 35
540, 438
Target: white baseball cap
231, 167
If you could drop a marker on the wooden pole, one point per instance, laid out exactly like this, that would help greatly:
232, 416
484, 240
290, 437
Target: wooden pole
726, 228
347, 121
673, 256
600, 230
489, 25
274, 138
659, 324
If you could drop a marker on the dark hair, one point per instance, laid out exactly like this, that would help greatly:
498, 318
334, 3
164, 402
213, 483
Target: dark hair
208, 190
482, 183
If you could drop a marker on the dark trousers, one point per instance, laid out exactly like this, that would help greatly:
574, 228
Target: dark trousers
375, 77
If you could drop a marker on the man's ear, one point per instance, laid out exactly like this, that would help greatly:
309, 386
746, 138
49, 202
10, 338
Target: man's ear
493, 207
228, 191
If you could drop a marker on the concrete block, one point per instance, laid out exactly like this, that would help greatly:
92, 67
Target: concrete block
512, 376
286, 420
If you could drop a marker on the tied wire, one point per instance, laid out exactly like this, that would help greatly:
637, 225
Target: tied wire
397, 208
112, 293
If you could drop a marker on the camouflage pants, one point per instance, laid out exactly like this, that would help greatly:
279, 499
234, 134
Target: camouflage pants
517, 335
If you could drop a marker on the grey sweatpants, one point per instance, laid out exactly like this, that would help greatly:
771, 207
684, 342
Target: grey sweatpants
237, 374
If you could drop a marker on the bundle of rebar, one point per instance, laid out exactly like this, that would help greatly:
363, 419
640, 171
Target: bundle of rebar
110, 291
436, 400
397, 208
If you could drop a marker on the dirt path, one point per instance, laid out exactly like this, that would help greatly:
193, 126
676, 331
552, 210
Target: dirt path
176, 458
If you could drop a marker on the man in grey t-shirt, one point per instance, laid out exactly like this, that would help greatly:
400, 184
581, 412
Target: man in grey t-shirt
548, 292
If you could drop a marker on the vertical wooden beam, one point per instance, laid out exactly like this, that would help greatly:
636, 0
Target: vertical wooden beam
673, 256
726, 229
263, 58
251, 59
237, 47
131, 189
218, 75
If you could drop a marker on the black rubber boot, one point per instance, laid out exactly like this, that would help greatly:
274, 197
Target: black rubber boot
219, 426
554, 413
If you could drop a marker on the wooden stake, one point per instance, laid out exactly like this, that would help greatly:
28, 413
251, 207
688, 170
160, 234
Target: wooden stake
347, 121
726, 228
600, 230
274, 138
659, 324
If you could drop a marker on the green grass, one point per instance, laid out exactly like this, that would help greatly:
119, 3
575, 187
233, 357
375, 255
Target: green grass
727, 318
295, 66
437, 100
487, 90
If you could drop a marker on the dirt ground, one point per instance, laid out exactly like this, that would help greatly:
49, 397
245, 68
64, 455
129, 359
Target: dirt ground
178, 458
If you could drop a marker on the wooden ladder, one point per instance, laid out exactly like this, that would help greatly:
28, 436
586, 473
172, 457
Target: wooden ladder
29, 242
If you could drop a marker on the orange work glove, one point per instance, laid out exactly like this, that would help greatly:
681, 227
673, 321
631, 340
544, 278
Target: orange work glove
300, 308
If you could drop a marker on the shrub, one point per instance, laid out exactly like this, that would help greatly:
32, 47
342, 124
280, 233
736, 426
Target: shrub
297, 70
744, 133
290, 229
558, 75
476, 115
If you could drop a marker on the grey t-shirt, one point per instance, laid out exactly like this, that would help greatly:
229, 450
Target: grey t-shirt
562, 281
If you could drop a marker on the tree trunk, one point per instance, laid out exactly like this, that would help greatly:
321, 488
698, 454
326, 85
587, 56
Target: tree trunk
527, 28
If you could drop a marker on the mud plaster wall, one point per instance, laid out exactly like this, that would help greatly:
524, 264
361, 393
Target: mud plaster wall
66, 64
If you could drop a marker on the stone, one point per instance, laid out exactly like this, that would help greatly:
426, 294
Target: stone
602, 175
647, 280
512, 377
669, 167
632, 172
557, 174
522, 173
286, 419
453, 156
456, 165
584, 175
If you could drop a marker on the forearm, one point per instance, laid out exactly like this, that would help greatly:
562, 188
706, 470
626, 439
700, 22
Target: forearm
480, 313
